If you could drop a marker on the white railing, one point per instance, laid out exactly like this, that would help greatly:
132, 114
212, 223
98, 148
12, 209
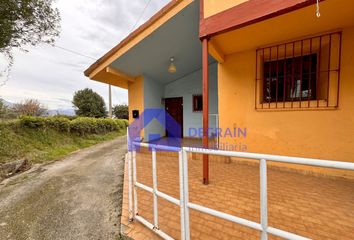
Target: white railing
133, 197
184, 202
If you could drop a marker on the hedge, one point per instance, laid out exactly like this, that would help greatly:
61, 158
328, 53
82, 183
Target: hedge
80, 125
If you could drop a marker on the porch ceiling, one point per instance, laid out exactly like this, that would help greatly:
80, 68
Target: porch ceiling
335, 14
177, 38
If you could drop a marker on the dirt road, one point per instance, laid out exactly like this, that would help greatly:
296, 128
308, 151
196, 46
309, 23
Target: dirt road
78, 197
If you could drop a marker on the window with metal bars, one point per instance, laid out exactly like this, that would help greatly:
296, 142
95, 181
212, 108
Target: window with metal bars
299, 74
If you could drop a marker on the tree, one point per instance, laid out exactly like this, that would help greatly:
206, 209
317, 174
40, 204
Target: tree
3, 109
30, 107
6, 112
89, 104
121, 111
26, 22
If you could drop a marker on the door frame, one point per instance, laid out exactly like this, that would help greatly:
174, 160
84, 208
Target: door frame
182, 129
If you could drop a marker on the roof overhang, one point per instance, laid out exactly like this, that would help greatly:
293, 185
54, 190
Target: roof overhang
246, 13
335, 15
98, 70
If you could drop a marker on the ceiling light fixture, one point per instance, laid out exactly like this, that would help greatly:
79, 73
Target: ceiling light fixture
318, 14
172, 68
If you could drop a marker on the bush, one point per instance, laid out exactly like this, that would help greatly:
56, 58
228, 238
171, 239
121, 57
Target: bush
81, 125
122, 123
32, 122
60, 124
66, 116
85, 126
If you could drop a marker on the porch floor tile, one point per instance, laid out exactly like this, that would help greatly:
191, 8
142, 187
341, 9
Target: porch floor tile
316, 207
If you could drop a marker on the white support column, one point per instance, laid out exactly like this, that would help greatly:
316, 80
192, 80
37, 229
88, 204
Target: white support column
134, 183
186, 193
130, 186
181, 194
263, 200
154, 183
130, 178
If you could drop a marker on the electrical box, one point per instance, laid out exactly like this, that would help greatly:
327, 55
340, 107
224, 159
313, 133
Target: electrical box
135, 114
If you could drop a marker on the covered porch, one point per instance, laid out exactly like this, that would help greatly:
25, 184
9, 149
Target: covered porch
145, 70
169, 68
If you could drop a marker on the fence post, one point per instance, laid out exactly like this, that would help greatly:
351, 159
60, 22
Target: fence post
263, 200
181, 194
130, 178
130, 186
134, 182
154, 185
186, 193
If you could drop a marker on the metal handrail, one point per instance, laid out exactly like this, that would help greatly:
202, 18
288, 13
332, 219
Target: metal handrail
276, 158
154, 190
184, 203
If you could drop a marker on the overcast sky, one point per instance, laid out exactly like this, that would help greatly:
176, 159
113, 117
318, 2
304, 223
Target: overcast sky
90, 27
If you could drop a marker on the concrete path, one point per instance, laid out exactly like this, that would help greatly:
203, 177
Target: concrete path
78, 197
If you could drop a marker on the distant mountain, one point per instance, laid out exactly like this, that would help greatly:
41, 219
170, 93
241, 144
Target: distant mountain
61, 111
50, 112
8, 104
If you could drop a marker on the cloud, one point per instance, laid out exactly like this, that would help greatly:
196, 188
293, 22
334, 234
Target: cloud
90, 27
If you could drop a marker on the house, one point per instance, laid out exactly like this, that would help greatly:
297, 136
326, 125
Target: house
246, 47
281, 72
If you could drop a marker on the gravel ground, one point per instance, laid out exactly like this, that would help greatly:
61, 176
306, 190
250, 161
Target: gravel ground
78, 197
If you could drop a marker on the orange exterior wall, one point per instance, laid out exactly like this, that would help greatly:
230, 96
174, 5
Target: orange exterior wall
324, 134
136, 98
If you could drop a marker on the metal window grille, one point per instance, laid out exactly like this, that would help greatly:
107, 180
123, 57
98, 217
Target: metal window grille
299, 74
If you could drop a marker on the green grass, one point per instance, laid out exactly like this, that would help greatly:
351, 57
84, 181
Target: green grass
42, 145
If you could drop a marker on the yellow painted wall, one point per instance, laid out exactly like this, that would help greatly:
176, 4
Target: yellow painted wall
212, 7
325, 134
136, 97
